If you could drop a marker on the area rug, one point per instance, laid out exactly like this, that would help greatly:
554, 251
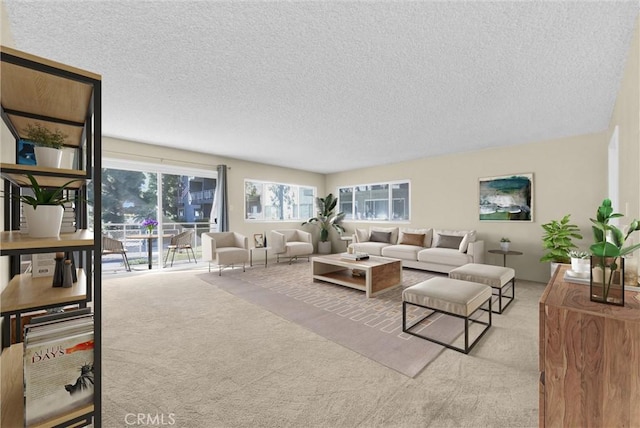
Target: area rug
372, 327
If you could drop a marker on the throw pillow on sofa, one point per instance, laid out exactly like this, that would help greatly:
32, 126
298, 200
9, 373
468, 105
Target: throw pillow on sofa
377, 236
412, 239
467, 237
449, 241
362, 235
428, 235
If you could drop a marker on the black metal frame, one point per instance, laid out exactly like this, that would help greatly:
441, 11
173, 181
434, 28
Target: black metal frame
502, 295
92, 165
467, 347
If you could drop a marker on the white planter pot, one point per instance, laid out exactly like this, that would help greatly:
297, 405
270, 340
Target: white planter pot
68, 156
324, 247
504, 246
45, 221
580, 265
48, 157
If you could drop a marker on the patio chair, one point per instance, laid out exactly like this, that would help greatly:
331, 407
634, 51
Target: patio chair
113, 246
226, 249
179, 242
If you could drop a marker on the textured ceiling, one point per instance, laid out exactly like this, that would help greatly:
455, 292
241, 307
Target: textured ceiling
328, 86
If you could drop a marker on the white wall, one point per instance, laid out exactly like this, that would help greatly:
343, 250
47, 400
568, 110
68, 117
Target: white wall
569, 178
237, 173
626, 115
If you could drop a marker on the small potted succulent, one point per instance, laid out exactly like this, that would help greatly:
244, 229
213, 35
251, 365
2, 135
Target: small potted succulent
47, 144
504, 244
579, 263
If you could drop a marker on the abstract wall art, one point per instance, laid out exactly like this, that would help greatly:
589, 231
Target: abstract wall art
506, 198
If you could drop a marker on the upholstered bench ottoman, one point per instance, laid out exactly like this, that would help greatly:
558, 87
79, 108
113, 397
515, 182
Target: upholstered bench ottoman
452, 297
499, 278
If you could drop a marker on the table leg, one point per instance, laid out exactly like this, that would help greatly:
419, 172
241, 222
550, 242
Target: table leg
150, 252
504, 260
250, 257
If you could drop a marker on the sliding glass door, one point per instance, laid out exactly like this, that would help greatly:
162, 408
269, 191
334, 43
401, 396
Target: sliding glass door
178, 199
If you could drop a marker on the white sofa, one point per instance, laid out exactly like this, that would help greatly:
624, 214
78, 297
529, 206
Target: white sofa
435, 250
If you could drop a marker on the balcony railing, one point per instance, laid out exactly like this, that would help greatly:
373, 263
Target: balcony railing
137, 249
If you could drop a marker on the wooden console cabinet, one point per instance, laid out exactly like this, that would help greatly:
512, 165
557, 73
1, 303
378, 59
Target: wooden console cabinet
589, 358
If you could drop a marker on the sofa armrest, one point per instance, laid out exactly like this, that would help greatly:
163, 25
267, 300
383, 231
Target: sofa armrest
208, 247
277, 241
476, 251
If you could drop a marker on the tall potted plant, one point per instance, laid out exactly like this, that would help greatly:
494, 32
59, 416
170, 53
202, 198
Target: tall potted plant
326, 219
47, 144
607, 264
44, 209
557, 241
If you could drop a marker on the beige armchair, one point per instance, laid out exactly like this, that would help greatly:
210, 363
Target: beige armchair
291, 243
226, 249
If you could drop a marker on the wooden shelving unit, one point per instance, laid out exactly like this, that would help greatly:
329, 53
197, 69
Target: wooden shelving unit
62, 97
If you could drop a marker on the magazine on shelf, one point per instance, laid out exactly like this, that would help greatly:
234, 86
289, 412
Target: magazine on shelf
58, 366
354, 256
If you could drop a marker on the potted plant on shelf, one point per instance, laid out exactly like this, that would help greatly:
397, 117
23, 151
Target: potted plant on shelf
504, 244
43, 211
326, 219
607, 264
47, 144
557, 241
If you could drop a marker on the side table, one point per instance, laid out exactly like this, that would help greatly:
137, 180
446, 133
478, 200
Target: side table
505, 254
266, 254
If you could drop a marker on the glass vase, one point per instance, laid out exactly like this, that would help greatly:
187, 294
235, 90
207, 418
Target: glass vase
606, 283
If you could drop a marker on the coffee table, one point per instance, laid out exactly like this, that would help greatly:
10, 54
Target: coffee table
374, 275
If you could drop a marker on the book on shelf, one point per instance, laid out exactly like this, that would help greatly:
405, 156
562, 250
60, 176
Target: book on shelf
354, 256
43, 264
58, 365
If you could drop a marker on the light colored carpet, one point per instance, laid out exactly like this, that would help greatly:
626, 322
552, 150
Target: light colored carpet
371, 327
179, 348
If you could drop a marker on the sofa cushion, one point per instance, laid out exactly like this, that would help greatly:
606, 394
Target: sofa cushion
378, 236
402, 251
362, 235
449, 241
371, 248
428, 235
467, 236
394, 233
444, 256
412, 239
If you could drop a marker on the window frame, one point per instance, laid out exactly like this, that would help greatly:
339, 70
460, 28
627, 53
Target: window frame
295, 208
391, 198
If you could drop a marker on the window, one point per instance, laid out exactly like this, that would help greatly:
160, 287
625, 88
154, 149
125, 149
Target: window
375, 202
265, 201
133, 192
